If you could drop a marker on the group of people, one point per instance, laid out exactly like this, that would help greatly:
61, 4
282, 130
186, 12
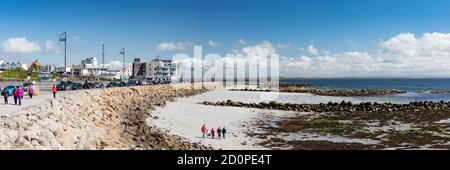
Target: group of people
18, 93
221, 132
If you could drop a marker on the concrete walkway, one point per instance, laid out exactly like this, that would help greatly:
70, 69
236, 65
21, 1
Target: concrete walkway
11, 109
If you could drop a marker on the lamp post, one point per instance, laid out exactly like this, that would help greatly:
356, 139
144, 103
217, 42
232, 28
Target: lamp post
63, 39
122, 52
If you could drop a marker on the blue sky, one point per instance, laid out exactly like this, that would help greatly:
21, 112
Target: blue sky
336, 26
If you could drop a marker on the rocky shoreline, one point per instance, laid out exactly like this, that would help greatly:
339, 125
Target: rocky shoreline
417, 125
349, 93
312, 89
433, 91
96, 119
344, 106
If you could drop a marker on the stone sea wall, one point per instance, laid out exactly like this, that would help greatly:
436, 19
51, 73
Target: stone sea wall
96, 119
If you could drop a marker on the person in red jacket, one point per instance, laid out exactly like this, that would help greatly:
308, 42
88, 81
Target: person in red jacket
54, 90
204, 130
15, 94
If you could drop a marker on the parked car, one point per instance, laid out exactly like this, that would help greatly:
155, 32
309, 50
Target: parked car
112, 84
64, 85
122, 84
132, 83
77, 86
88, 85
98, 85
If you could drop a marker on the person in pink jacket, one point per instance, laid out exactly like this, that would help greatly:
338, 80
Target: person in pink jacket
30, 91
20, 94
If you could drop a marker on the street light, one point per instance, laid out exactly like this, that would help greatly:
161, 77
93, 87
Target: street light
63, 39
122, 52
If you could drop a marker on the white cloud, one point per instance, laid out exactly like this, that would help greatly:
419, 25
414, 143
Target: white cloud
405, 43
313, 50
242, 42
408, 44
51, 46
20, 45
288, 45
401, 55
264, 49
214, 43
76, 38
173, 46
118, 65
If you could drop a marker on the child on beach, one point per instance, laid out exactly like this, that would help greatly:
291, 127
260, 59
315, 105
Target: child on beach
213, 132
203, 129
219, 132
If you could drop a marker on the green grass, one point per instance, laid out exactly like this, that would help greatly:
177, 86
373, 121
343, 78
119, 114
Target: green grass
328, 126
21, 75
319, 122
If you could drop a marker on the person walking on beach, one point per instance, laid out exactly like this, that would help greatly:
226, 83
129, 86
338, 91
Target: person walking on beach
15, 94
20, 94
224, 131
213, 132
30, 91
5, 94
219, 132
203, 131
54, 91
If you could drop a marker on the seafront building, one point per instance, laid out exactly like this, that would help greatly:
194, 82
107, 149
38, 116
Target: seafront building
91, 68
155, 70
13, 65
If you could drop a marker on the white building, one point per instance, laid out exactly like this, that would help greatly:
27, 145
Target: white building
61, 69
23, 66
48, 68
13, 65
162, 70
90, 67
89, 61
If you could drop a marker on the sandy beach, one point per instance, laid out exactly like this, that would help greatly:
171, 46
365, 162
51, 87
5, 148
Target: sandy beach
257, 128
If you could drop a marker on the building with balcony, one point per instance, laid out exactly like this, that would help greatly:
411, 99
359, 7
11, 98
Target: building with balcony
162, 70
155, 70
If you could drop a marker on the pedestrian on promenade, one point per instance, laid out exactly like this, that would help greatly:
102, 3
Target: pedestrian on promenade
20, 95
5, 94
15, 94
31, 91
54, 91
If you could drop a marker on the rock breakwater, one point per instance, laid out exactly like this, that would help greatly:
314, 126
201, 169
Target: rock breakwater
311, 89
427, 110
97, 119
